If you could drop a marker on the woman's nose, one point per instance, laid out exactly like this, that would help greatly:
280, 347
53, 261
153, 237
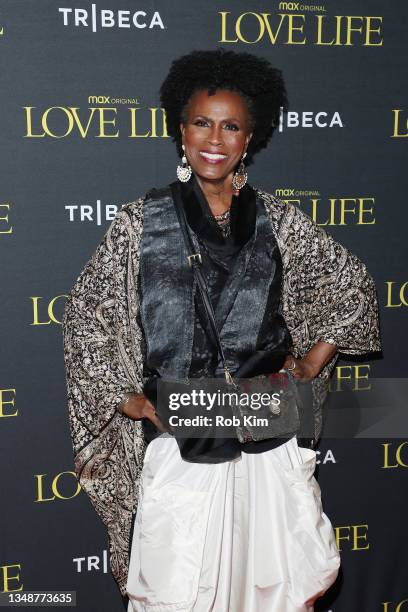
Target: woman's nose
215, 136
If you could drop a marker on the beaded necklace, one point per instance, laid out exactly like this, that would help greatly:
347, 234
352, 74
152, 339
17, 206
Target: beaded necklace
223, 221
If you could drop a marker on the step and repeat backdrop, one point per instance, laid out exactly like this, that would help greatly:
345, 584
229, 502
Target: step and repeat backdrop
81, 133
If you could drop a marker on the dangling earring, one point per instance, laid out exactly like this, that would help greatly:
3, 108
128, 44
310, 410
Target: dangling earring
184, 171
241, 176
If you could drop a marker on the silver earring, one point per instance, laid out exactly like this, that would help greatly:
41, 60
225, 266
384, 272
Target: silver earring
241, 176
184, 171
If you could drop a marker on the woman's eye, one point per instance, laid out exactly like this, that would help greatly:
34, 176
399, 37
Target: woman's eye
200, 122
232, 126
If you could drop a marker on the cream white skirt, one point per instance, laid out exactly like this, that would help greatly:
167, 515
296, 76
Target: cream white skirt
247, 535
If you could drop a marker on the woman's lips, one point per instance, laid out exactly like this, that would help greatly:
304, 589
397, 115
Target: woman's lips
213, 158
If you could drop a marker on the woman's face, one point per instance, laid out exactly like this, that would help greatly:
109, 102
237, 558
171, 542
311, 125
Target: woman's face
215, 133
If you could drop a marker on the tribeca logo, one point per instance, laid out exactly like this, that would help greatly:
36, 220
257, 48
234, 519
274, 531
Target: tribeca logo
306, 119
92, 563
106, 18
89, 212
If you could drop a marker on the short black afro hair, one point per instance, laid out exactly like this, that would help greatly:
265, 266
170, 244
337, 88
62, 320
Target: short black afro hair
260, 84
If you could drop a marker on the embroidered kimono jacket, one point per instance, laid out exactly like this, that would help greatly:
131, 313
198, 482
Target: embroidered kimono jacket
327, 295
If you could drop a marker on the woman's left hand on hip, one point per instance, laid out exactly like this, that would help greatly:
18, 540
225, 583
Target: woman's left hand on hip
300, 368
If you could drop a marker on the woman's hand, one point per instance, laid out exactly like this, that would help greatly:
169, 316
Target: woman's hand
312, 363
137, 407
300, 368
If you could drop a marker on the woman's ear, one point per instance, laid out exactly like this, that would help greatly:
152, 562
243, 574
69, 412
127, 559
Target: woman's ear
182, 128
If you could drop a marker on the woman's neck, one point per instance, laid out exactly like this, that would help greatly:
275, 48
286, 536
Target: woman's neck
217, 193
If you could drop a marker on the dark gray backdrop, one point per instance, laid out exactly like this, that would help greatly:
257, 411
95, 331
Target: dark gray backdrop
47, 182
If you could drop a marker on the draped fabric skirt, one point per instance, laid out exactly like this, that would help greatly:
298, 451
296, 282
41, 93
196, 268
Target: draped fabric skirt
247, 535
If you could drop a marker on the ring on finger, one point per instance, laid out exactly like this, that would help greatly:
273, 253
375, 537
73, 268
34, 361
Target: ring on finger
292, 366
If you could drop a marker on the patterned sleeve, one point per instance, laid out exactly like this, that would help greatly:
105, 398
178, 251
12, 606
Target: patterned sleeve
96, 371
103, 350
338, 293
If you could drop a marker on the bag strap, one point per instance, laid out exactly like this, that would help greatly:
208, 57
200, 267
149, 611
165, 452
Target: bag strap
195, 261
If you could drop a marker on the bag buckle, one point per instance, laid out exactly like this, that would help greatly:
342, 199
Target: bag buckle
192, 258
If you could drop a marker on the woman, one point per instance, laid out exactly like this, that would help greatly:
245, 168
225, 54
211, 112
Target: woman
245, 530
